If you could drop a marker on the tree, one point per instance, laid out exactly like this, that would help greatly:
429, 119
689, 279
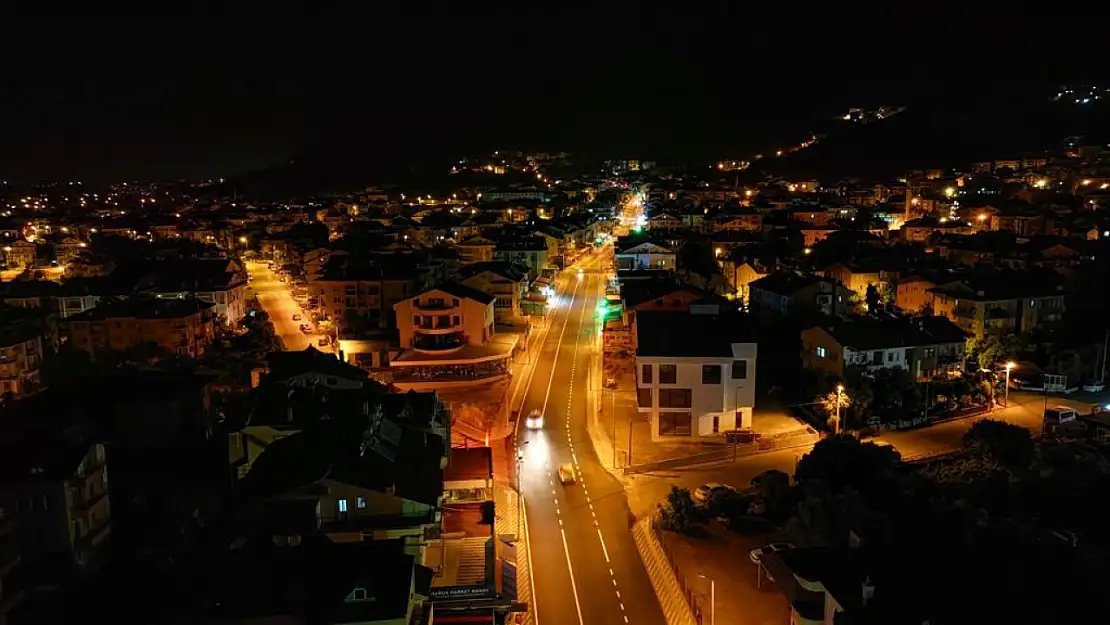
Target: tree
991, 349
680, 512
843, 463
1009, 445
873, 298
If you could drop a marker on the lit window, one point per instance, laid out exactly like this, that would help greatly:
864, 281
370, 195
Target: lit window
361, 502
342, 505
822, 352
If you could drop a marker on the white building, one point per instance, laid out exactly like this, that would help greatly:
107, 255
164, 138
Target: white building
695, 372
645, 255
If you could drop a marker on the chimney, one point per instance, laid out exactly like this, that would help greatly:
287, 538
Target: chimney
868, 588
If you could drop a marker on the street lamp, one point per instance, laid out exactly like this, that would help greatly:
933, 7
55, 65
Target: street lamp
1009, 366
839, 394
712, 598
519, 492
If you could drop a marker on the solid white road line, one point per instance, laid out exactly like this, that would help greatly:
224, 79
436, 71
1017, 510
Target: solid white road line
573, 587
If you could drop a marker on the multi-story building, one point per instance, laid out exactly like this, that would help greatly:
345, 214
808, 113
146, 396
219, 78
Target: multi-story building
20, 362
447, 335
350, 286
20, 254
57, 494
1001, 302
506, 283
739, 272
695, 373
530, 252
923, 346
221, 283
791, 294
179, 326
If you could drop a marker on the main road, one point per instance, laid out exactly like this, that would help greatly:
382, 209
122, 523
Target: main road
585, 566
277, 300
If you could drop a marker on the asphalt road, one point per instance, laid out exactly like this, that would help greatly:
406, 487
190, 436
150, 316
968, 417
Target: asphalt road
585, 565
276, 299
1026, 410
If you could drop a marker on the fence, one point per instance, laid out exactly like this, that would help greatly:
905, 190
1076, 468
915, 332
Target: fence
687, 590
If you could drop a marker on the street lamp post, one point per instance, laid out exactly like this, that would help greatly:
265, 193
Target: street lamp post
1006, 400
712, 598
519, 490
839, 394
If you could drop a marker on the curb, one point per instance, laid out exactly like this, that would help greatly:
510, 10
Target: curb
671, 601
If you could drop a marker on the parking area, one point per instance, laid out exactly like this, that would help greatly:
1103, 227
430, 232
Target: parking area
720, 557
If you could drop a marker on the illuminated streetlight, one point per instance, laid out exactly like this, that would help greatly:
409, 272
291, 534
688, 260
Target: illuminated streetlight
1009, 366
836, 422
950, 192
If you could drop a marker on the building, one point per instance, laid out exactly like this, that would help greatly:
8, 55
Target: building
530, 252
739, 272
641, 254
923, 346
912, 293
180, 326
222, 283
359, 288
447, 337
20, 363
506, 283
20, 254
695, 373
1001, 302
475, 250
793, 294
55, 489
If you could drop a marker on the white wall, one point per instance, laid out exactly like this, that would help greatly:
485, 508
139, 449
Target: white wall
891, 358
707, 400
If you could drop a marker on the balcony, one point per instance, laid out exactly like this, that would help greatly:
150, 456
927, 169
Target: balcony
437, 325
435, 304
438, 343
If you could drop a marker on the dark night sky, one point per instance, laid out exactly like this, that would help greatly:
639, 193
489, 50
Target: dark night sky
171, 98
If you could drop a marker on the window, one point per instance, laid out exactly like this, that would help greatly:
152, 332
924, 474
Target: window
716, 424
455, 302
645, 374
711, 374
675, 397
643, 397
416, 320
361, 503
675, 423
821, 353
668, 374
342, 504
877, 358
740, 369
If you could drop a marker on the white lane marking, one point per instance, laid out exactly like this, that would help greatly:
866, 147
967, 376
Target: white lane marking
603, 549
573, 587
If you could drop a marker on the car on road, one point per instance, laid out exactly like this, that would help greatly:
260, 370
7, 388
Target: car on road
580, 272
566, 473
705, 492
534, 420
757, 554
296, 317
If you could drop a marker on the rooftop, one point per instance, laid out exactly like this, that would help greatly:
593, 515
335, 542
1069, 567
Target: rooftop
679, 334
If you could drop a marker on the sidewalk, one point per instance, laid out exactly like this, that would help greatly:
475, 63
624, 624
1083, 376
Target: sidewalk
507, 505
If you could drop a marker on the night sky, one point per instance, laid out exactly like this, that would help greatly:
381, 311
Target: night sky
164, 98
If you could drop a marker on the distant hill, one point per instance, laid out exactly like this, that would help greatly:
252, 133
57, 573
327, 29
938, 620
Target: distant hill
948, 133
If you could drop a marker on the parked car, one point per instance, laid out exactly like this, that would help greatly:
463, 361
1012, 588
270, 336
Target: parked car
705, 492
756, 555
296, 317
534, 421
566, 473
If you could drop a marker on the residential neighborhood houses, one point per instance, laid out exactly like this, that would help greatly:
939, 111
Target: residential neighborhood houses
384, 386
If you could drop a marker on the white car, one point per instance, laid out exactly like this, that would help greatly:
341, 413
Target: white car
534, 421
566, 473
756, 555
580, 272
704, 492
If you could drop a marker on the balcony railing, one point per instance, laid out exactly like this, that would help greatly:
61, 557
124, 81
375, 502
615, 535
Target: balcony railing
434, 305
438, 343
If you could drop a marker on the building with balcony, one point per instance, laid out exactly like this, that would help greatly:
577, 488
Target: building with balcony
793, 294
530, 252
506, 283
20, 362
351, 287
222, 283
178, 326
475, 250
636, 253
20, 254
56, 492
924, 346
447, 337
695, 373
1001, 302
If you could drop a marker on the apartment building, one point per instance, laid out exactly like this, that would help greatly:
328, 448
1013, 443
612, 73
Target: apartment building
695, 372
924, 346
179, 326
20, 363
365, 288
506, 283
640, 254
1001, 302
